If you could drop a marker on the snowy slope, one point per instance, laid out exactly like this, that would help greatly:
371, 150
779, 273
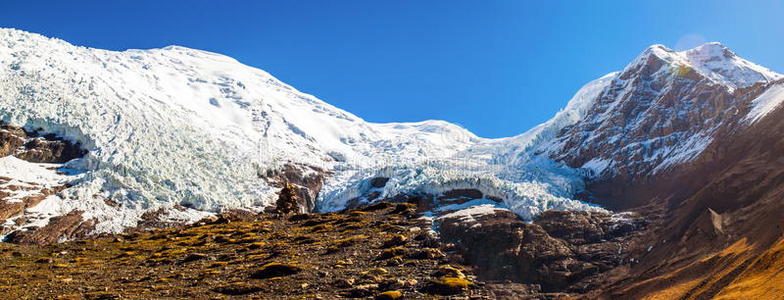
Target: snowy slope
766, 102
182, 127
716, 62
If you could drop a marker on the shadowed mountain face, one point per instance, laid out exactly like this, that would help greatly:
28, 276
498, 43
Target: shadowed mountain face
662, 180
723, 215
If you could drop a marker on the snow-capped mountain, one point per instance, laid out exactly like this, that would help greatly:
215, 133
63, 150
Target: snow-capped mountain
663, 109
189, 133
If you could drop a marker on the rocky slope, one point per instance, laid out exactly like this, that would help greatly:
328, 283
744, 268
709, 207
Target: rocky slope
383, 251
723, 217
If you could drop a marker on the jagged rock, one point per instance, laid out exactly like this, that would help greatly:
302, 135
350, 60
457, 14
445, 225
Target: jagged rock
288, 200
304, 181
42, 150
460, 195
574, 227
10, 140
31, 147
379, 182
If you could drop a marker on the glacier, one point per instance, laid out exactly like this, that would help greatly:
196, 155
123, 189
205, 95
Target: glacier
179, 127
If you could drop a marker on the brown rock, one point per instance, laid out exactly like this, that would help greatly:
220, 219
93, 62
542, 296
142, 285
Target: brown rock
275, 270
288, 200
503, 247
42, 150
395, 240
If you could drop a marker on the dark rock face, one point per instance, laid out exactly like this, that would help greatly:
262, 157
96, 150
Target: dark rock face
10, 140
379, 182
462, 193
560, 251
590, 227
40, 150
33, 147
721, 211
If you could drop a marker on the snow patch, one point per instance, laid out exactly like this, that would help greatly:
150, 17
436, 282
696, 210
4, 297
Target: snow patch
766, 103
468, 212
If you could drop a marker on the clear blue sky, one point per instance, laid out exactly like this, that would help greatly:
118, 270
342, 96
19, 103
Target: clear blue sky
496, 67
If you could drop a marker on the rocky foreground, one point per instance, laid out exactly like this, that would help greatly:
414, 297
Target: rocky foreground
383, 251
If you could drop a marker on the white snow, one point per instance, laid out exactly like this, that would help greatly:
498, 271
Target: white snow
766, 102
715, 62
23, 171
468, 214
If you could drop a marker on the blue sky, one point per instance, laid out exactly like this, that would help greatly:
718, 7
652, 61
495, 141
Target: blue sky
497, 68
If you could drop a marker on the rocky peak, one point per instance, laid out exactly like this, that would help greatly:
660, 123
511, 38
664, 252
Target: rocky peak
664, 108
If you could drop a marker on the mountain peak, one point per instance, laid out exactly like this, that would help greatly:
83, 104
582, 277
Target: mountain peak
711, 60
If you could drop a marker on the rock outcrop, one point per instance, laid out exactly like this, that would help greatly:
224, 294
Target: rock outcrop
35, 147
288, 201
559, 252
69, 226
660, 111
